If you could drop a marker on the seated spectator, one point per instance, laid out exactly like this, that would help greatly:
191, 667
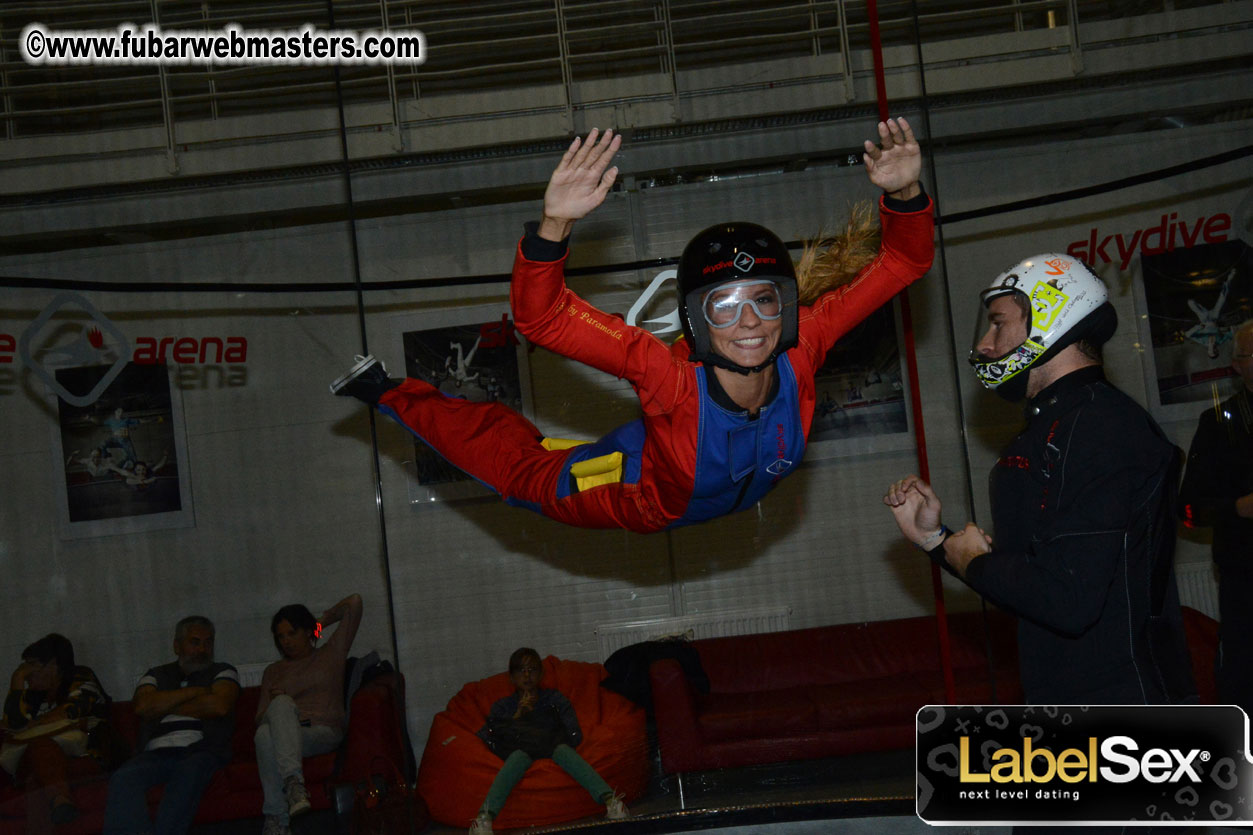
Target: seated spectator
187, 714
51, 714
301, 710
532, 724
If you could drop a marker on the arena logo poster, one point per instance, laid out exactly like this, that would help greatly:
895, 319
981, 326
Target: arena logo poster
1102, 765
48, 343
71, 331
118, 441
474, 353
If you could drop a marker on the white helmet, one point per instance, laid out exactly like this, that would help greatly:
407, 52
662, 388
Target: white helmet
1066, 301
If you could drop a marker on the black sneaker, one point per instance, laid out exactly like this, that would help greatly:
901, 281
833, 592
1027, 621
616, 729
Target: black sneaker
367, 381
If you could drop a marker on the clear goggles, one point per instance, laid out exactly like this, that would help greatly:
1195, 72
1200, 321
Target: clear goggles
724, 304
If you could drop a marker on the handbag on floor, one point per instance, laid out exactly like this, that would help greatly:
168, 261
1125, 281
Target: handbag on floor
386, 804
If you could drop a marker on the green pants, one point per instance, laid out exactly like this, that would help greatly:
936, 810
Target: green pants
563, 755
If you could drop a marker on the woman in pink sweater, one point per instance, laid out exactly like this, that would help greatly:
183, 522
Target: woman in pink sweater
301, 711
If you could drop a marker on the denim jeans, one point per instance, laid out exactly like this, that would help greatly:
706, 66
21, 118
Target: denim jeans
185, 774
281, 744
563, 755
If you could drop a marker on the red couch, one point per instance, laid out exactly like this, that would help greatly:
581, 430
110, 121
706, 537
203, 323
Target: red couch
843, 689
1202, 633
458, 768
374, 734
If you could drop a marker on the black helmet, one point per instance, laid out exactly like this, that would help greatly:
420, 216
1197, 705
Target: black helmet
734, 252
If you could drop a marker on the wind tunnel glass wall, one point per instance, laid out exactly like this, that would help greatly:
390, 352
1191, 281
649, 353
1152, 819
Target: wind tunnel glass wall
166, 345
569, 588
174, 447
179, 451
820, 549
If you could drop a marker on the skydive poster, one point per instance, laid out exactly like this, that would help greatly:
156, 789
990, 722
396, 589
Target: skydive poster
860, 391
1195, 299
482, 360
120, 454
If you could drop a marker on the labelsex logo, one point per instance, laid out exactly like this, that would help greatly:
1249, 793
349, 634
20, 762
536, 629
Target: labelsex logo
1040, 765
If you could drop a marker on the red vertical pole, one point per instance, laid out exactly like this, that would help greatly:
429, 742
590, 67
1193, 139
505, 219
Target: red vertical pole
911, 363
876, 52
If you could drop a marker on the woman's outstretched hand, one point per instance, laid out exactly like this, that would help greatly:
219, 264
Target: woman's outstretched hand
895, 164
579, 183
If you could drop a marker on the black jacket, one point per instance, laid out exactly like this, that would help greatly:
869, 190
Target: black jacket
1220, 470
1082, 504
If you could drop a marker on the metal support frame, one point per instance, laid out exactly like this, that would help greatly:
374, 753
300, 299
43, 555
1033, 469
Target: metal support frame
646, 35
846, 56
417, 87
167, 109
1072, 24
564, 47
398, 134
8, 100
815, 36
213, 83
668, 29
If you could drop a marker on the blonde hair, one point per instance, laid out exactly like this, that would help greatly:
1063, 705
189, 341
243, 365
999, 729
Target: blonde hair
831, 261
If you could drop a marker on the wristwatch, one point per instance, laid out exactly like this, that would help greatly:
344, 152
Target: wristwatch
936, 552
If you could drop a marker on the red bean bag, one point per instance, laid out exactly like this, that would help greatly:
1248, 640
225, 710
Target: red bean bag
457, 768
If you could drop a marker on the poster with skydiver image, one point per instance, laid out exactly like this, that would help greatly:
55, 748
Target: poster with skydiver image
482, 359
120, 456
1194, 298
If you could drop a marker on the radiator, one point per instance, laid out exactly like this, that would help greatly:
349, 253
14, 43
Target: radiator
615, 636
250, 674
1198, 587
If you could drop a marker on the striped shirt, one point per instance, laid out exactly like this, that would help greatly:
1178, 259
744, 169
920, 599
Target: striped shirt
177, 731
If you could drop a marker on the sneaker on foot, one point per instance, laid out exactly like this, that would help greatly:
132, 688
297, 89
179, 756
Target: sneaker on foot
482, 824
274, 826
297, 797
615, 809
367, 381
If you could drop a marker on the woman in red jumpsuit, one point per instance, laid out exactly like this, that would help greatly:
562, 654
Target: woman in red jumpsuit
726, 411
